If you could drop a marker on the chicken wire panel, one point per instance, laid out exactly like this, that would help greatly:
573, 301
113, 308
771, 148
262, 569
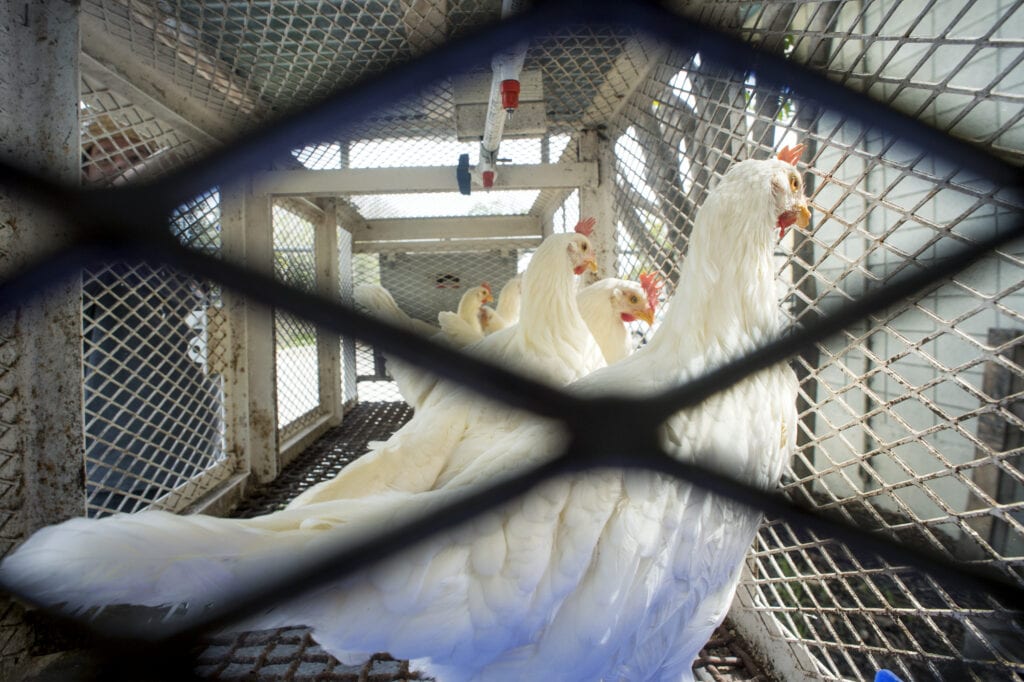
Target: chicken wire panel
255, 60
14, 636
911, 422
584, 71
262, 58
954, 64
122, 141
296, 361
154, 353
424, 283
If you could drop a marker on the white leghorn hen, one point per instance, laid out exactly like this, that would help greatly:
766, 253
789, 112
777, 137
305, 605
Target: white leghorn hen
506, 313
457, 329
606, 575
608, 304
463, 327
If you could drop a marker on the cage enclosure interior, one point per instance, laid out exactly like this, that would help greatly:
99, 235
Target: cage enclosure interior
408, 159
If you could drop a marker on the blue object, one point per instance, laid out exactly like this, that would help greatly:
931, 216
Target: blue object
884, 675
462, 173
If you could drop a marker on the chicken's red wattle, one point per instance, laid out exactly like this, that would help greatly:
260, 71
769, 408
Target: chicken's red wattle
785, 221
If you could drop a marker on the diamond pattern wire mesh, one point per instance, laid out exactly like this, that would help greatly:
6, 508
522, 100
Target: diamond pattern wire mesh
153, 358
910, 423
297, 366
155, 341
121, 141
423, 283
14, 637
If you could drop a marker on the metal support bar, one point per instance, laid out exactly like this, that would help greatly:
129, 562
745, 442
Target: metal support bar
43, 337
113, 62
236, 309
598, 201
328, 349
422, 179
259, 343
476, 227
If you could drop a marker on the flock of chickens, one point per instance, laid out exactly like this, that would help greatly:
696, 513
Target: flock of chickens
602, 575
605, 308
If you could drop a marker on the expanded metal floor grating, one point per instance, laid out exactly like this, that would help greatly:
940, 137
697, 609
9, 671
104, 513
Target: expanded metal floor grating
291, 654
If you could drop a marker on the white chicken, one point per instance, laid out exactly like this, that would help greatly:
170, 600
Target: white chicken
380, 303
506, 313
462, 327
608, 304
457, 329
606, 575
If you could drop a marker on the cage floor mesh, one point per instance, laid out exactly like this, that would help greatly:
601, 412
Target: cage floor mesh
291, 653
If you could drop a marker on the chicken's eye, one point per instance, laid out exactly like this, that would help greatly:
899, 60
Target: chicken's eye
633, 299
794, 183
584, 247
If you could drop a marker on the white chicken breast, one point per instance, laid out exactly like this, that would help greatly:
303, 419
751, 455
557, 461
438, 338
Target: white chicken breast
605, 575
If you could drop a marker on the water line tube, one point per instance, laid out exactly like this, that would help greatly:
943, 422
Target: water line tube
504, 99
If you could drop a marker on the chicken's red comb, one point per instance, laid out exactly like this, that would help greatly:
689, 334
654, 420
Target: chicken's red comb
652, 287
586, 226
791, 155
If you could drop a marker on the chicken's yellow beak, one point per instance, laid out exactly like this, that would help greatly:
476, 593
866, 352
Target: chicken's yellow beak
591, 264
803, 218
645, 315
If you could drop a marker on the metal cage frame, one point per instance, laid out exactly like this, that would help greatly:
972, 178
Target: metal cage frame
130, 222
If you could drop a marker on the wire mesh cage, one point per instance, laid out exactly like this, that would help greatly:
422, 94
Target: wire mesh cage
909, 420
298, 381
153, 383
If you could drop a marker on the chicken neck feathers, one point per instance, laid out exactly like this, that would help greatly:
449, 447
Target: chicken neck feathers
605, 325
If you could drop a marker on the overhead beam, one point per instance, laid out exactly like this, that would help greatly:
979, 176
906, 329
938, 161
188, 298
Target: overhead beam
108, 78
420, 246
349, 217
111, 60
475, 227
346, 181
